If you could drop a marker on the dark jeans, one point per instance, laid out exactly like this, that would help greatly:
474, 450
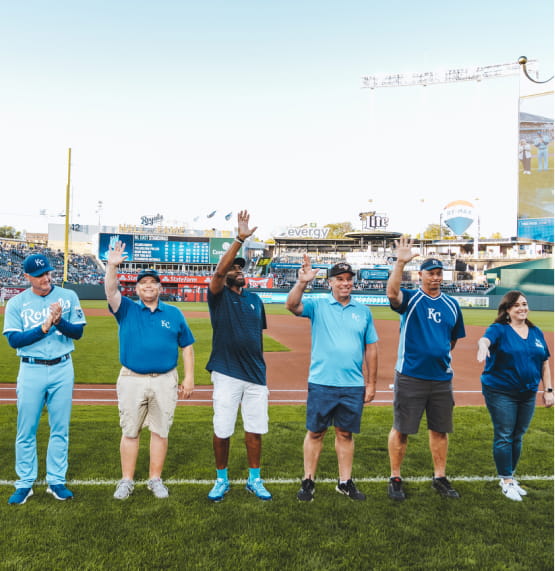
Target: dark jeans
511, 414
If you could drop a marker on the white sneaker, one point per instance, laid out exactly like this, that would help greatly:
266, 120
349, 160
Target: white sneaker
124, 489
157, 487
520, 490
510, 491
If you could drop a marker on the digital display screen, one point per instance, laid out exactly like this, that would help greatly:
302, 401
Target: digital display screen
144, 248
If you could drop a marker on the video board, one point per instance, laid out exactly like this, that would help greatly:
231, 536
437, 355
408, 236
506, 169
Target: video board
535, 157
159, 249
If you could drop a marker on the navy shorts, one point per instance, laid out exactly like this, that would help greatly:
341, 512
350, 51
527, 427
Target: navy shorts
414, 396
340, 406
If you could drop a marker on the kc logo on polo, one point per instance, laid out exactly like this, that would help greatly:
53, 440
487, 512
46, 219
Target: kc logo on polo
165, 324
434, 315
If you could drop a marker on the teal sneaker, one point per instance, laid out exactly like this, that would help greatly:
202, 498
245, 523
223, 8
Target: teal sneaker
257, 488
20, 496
60, 492
220, 489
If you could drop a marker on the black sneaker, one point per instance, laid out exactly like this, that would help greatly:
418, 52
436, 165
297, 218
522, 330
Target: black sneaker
306, 493
349, 489
395, 489
443, 486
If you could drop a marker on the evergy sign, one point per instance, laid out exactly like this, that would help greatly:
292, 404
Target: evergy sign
317, 233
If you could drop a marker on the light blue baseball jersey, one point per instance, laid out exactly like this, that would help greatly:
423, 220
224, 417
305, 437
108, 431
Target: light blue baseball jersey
28, 310
340, 334
428, 326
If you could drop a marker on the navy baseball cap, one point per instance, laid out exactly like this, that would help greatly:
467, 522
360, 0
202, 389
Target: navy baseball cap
36, 264
241, 262
148, 272
431, 264
341, 268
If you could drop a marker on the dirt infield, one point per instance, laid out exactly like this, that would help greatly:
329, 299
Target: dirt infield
287, 371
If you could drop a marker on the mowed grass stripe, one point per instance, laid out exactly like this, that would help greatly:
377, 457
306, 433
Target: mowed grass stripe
523, 478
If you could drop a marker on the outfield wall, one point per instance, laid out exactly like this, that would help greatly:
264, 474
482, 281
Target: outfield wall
536, 302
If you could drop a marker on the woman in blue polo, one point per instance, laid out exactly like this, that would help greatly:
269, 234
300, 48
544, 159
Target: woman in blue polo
516, 357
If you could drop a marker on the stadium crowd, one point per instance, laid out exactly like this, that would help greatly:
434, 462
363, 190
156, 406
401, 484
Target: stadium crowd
81, 269
84, 269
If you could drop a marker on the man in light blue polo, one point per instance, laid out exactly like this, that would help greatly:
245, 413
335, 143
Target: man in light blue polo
150, 333
343, 371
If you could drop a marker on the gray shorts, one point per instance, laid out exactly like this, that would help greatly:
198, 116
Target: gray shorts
414, 396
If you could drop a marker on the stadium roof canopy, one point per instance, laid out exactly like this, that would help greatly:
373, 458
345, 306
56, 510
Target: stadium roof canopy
350, 242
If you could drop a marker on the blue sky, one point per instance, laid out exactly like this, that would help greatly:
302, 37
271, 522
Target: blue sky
182, 108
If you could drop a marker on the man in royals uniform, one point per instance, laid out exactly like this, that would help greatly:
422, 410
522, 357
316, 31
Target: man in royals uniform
431, 323
41, 324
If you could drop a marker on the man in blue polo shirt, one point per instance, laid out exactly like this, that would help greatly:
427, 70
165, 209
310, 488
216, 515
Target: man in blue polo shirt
236, 365
431, 324
343, 371
150, 333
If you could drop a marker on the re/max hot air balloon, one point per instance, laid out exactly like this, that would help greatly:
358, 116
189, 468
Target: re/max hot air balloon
459, 215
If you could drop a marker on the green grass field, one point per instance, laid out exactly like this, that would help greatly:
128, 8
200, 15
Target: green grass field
482, 530
96, 358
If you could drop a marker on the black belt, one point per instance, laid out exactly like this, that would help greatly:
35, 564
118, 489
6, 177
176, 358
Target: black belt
48, 362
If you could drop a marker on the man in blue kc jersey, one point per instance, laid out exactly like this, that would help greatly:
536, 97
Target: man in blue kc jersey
236, 364
150, 334
41, 324
431, 323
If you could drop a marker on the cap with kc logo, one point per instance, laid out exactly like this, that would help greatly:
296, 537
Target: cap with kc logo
36, 264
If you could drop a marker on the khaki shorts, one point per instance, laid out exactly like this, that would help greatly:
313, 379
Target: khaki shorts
230, 393
146, 400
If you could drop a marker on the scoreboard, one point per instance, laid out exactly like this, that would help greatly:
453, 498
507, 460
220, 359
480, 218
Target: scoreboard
150, 248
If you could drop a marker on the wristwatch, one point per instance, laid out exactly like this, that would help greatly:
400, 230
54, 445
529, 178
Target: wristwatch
549, 390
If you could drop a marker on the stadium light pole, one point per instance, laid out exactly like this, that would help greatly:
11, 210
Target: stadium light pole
523, 61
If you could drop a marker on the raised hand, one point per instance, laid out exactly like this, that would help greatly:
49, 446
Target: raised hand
116, 254
243, 230
404, 249
307, 273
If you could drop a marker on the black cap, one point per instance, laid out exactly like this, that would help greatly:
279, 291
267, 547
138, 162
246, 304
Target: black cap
148, 272
431, 264
241, 262
341, 268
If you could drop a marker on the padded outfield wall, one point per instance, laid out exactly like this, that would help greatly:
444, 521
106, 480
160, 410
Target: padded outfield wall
537, 303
